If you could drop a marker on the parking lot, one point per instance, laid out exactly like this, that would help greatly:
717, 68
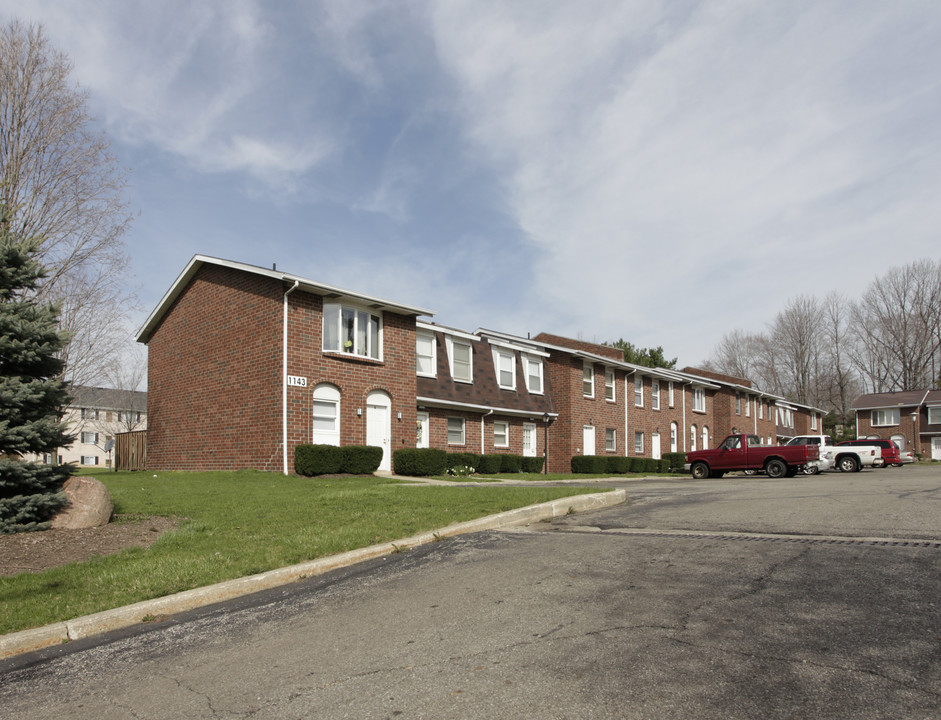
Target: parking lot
745, 597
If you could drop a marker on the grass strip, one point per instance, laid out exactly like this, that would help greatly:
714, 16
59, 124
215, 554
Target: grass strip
241, 523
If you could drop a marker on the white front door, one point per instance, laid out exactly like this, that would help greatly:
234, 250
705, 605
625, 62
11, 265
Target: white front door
422, 430
936, 448
655, 446
529, 440
588, 440
379, 425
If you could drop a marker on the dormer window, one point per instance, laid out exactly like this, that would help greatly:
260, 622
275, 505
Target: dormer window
460, 359
504, 362
347, 329
532, 369
426, 363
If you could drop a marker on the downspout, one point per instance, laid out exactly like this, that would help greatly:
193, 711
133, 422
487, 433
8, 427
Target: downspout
627, 405
284, 379
486, 414
690, 385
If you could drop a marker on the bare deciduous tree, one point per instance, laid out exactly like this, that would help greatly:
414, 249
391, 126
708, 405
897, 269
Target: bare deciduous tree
64, 187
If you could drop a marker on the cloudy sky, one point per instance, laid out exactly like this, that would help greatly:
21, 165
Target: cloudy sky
661, 172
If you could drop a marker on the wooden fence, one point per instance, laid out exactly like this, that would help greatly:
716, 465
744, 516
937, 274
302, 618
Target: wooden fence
130, 450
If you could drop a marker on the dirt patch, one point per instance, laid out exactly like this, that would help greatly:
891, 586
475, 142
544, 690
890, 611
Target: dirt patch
38, 551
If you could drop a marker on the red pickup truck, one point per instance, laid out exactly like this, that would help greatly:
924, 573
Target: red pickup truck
745, 452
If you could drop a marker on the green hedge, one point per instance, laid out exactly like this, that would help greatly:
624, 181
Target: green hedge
489, 464
590, 464
420, 462
618, 464
463, 459
361, 459
318, 460
533, 464
511, 463
675, 460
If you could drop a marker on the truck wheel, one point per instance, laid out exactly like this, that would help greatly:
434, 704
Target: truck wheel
848, 463
776, 468
699, 471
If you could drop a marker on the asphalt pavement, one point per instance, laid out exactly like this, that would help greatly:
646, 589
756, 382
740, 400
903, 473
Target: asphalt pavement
816, 597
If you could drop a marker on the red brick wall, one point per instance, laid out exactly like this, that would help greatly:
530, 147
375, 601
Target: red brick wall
214, 394
215, 365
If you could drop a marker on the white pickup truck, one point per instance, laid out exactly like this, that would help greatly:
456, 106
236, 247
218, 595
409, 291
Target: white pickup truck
845, 458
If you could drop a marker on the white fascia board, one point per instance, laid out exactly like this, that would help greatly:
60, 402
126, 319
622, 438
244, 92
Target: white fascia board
444, 329
143, 335
517, 348
453, 405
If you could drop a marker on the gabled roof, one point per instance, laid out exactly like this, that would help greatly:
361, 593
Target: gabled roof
304, 284
903, 398
108, 398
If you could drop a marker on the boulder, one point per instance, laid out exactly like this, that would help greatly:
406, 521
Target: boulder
91, 504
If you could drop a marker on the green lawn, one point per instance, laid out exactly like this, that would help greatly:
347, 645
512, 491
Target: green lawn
241, 523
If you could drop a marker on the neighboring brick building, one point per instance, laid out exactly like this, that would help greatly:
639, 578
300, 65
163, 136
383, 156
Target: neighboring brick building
911, 418
246, 363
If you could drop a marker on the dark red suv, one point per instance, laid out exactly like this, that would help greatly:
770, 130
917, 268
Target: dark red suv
890, 451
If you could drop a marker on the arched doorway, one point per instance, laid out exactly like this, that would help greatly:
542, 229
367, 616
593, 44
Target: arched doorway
379, 425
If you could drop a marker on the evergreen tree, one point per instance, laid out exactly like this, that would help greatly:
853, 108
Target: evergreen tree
32, 395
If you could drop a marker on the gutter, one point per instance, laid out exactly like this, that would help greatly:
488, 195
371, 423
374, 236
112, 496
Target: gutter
284, 379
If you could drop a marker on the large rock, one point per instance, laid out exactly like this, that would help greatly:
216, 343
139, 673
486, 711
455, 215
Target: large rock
91, 504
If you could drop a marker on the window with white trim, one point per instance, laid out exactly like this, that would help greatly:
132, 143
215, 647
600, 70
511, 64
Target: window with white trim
738, 403
785, 417
813, 421
89, 414
426, 353
89, 459
611, 440
326, 415
501, 433
504, 363
638, 391
532, 369
934, 415
674, 437
654, 394
455, 431
670, 399
588, 380
761, 409
747, 406
460, 360
638, 442
693, 431
352, 330
889, 416
609, 391
705, 437
699, 400
90, 438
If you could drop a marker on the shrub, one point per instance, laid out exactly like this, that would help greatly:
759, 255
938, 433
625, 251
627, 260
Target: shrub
511, 463
361, 459
664, 466
318, 460
618, 465
462, 460
420, 462
589, 464
675, 460
533, 464
489, 464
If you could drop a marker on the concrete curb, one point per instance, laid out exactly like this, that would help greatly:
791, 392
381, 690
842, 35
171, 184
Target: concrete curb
99, 623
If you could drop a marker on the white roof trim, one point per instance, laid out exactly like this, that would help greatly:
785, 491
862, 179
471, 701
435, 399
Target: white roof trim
452, 404
197, 261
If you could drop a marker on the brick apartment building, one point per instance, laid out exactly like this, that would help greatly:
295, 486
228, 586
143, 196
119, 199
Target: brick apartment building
246, 363
911, 418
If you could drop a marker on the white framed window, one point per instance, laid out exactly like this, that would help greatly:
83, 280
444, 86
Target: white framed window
671, 401
705, 437
326, 415
693, 432
504, 363
638, 391
738, 403
89, 414
638, 442
699, 400
785, 417
426, 354
611, 440
747, 406
460, 360
813, 421
674, 437
455, 431
501, 433
889, 416
588, 380
761, 409
89, 459
934, 415
609, 390
90, 438
348, 329
532, 369
654, 394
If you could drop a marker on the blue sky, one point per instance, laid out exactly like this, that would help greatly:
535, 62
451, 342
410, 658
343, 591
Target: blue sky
659, 171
